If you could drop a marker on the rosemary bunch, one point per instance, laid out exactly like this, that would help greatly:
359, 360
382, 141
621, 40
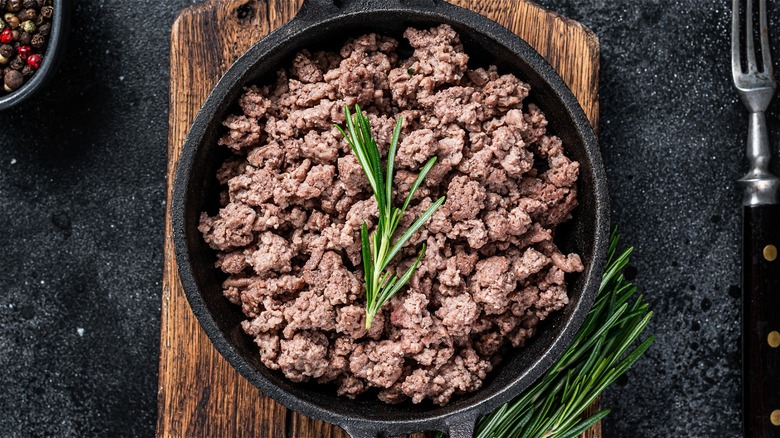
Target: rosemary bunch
602, 351
378, 250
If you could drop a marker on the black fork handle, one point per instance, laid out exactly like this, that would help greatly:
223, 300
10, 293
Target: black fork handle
761, 321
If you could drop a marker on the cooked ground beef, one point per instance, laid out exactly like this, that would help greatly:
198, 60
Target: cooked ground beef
295, 196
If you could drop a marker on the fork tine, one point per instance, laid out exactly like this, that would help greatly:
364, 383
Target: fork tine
764, 29
750, 51
736, 58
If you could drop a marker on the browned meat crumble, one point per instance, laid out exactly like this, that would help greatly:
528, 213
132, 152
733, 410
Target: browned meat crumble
295, 196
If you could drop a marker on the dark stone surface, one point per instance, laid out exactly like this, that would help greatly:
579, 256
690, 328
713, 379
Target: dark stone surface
82, 196
82, 184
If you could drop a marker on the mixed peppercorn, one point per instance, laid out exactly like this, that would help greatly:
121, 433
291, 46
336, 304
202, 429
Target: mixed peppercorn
24, 32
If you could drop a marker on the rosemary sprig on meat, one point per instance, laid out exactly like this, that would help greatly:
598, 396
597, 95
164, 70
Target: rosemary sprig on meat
602, 351
378, 250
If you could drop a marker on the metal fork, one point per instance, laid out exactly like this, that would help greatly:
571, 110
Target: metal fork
756, 88
760, 235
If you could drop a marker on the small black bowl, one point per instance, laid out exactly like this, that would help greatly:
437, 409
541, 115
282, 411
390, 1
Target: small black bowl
60, 23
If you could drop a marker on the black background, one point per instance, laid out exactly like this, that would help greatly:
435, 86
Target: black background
82, 176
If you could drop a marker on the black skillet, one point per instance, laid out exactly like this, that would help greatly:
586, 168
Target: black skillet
327, 23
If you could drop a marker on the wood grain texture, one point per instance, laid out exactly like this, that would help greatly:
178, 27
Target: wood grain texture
199, 394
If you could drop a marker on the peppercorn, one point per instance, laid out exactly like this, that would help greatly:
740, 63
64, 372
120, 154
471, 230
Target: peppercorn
6, 53
28, 26
34, 61
27, 71
27, 14
47, 11
44, 29
12, 81
24, 52
29, 4
2, 4
39, 19
16, 63
13, 5
25, 38
12, 20
38, 41
6, 36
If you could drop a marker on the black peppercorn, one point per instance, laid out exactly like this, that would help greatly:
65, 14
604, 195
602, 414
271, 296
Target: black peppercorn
27, 14
27, 4
44, 29
27, 71
38, 41
47, 11
25, 38
12, 80
39, 19
12, 20
17, 63
13, 5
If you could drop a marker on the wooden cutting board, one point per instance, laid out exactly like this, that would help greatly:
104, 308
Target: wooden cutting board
199, 394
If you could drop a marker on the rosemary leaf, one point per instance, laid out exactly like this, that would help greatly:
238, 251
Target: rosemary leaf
391, 151
413, 229
423, 173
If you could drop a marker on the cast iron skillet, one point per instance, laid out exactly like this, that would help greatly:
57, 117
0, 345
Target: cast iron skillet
327, 23
60, 23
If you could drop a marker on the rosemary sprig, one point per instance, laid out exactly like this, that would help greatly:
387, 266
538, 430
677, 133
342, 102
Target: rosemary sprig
601, 352
378, 251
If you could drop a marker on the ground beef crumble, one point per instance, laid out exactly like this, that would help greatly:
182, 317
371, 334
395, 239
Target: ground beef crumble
294, 198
